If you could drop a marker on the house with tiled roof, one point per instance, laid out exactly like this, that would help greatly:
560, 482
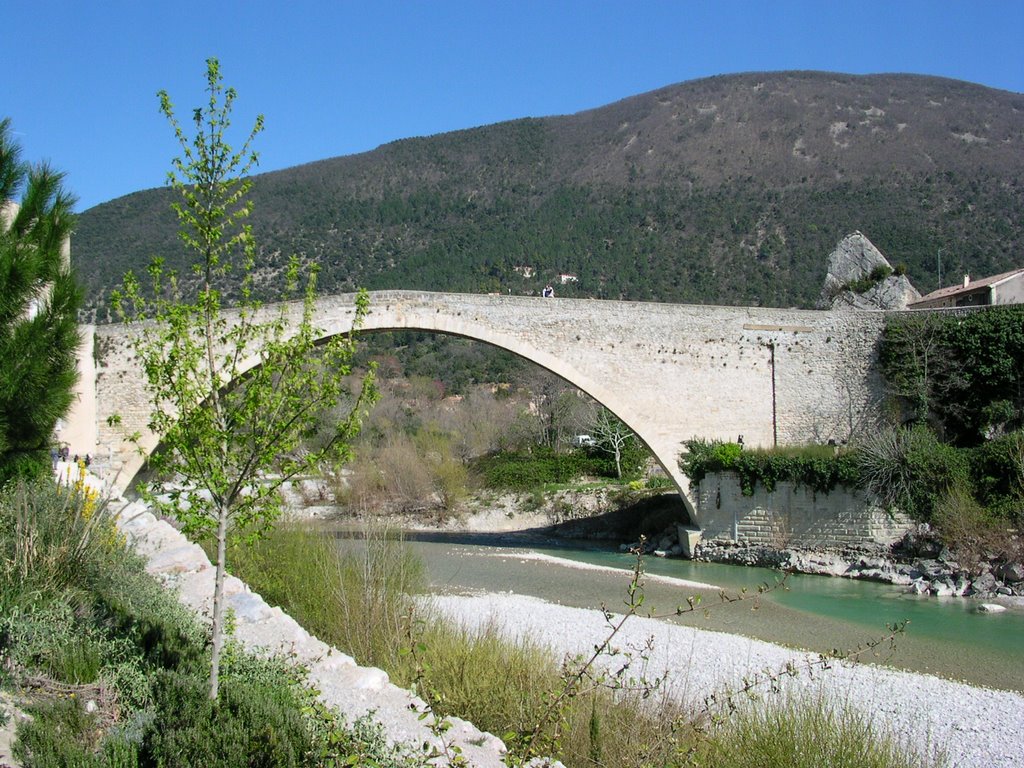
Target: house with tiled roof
1007, 288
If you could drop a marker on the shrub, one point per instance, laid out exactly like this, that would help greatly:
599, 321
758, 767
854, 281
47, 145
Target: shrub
910, 470
526, 470
801, 734
969, 529
997, 471
252, 724
53, 537
962, 373
352, 594
61, 733
818, 467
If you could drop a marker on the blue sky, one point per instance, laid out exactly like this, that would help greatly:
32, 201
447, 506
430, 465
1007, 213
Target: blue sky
334, 78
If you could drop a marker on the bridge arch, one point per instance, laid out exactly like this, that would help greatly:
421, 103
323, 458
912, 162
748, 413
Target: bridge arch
598, 391
669, 371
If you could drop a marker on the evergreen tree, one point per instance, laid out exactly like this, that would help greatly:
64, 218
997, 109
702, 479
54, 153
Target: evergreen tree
39, 301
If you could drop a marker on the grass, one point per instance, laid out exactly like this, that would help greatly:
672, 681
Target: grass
505, 686
114, 636
802, 734
82, 622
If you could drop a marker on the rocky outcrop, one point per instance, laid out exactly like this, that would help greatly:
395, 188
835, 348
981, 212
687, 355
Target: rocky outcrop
860, 277
918, 562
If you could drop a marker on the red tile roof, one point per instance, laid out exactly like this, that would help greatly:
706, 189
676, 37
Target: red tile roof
956, 290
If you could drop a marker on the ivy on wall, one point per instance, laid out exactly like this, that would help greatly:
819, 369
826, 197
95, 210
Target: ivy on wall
818, 467
960, 373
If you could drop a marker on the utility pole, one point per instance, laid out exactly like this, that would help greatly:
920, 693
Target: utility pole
938, 261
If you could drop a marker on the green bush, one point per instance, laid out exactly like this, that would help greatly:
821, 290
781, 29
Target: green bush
62, 735
910, 469
962, 373
801, 734
818, 467
353, 594
935, 469
526, 470
997, 473
250, 724
52, 537
119, 628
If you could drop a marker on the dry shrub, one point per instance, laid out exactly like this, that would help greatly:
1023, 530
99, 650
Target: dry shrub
972, 532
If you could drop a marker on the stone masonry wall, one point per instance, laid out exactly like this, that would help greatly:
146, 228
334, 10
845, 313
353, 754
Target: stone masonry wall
669, 371
793, 516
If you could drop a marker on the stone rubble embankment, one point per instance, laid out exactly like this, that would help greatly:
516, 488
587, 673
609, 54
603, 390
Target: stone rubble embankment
917, 562
344, 685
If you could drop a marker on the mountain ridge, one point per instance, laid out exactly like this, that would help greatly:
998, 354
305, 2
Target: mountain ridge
674, 194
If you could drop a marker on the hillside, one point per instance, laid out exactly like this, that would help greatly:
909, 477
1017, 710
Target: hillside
730, 190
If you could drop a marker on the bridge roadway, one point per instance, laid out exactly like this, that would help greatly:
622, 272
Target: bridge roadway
669, 371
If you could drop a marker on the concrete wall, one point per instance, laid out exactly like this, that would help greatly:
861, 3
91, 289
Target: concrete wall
1009, 292
792, 516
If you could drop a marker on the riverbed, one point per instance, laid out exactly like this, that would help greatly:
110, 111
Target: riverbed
947, 637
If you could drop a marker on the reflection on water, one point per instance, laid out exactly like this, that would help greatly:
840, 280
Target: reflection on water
943, 636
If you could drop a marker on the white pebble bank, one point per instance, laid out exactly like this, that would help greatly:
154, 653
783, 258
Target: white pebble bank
975, 727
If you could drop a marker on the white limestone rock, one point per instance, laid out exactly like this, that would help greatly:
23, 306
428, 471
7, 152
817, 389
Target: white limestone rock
853, 259
991, 608
181, 559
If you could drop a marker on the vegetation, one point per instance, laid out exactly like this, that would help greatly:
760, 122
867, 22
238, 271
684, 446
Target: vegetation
424, 450
39, 301
113, 669
819, 467
962, 374
866, 283
689, 211
228, 443
509, 687
796, 734
535, 468
957, 380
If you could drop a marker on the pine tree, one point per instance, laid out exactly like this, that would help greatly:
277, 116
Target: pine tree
39, 301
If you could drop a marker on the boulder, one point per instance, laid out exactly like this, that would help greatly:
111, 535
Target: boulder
1011, 573
991, 608
855, 258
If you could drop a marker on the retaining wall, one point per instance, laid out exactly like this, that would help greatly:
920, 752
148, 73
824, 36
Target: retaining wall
793, 516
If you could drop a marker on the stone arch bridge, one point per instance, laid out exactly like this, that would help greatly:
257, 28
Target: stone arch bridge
669, 371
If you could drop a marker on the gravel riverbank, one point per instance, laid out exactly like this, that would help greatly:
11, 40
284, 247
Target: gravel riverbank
974, 727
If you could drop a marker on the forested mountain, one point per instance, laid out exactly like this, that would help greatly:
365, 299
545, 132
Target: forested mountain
729, 190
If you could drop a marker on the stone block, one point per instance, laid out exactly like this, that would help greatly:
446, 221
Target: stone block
689, 538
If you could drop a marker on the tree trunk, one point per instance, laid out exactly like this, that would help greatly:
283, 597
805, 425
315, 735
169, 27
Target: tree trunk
218, 600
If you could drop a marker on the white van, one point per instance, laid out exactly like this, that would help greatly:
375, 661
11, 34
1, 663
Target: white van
584, 441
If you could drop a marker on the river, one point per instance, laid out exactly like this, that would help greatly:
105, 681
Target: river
944, 636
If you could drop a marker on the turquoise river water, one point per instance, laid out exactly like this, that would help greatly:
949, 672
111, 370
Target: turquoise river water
947, 636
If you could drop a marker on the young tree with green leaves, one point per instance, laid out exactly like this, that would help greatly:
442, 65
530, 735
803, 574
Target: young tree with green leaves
39, 302
236, 393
